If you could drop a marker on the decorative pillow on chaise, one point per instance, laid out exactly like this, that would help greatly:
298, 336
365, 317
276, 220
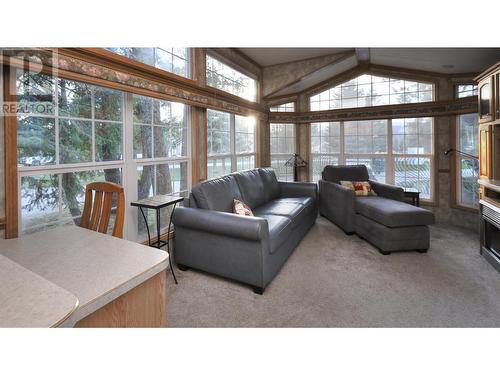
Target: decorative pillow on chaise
361, 188
241, 208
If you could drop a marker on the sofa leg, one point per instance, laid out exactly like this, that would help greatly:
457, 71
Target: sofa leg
349, 233
182, 267
422, 251
258, 290
383, 252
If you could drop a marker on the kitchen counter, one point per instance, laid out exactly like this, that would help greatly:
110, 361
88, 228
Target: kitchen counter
29, 300
94, 267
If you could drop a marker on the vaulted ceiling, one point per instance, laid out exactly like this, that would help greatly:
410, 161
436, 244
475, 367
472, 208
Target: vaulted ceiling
296, 69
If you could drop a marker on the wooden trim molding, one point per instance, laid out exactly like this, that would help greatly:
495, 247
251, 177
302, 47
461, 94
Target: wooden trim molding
10, 146
428, 109
107, 69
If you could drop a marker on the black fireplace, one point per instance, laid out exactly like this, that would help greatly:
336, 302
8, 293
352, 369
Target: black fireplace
490, 233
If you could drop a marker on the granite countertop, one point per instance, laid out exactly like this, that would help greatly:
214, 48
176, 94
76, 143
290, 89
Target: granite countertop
29, 300
95, 267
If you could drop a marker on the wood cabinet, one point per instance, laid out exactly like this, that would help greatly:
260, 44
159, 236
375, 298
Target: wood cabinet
489, 127
485, 151
487, 112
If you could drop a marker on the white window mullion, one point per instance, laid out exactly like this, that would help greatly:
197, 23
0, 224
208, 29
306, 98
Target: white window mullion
389, 170
92, 110
129, 171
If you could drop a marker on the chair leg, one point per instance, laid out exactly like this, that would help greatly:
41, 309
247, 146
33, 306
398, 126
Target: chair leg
258, 290
182, 267
383, 252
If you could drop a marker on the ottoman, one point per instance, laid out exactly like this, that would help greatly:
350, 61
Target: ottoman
393, 225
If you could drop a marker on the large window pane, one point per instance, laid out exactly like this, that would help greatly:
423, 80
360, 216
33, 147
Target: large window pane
319, 162
173, 60
75, 141
282, 149
75, 99
468, 166
51, 200
217, 167
414, 172
225, 78
367, 90
108, 141
160, 128
36, 141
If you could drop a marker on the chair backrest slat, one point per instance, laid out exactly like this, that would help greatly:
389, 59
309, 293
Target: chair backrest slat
96, 210
106, 212
98, 205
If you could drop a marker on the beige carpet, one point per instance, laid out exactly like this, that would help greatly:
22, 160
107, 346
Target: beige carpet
334, 280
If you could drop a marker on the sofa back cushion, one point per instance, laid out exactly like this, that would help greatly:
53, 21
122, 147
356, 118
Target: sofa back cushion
337, 173
217, 194
271, 185
252, 187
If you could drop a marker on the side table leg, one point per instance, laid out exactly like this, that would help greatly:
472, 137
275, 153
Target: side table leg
168, 241
147, 226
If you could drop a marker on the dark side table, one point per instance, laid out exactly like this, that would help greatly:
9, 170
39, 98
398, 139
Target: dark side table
156, 203
414, 195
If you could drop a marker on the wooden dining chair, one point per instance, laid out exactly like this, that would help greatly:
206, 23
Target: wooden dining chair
96, 216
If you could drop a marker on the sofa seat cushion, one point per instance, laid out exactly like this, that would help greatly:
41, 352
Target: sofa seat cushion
296, 212
305, 201
280, 229
391, 213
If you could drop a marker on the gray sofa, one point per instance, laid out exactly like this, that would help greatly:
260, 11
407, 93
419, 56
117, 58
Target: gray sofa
383, 220
251, 250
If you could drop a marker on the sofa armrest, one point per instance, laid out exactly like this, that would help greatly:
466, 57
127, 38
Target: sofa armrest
333, 192
298, 189
387, 191
337, 203
222, 223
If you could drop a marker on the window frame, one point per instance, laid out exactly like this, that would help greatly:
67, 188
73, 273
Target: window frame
389, 156
232, 145
128, 164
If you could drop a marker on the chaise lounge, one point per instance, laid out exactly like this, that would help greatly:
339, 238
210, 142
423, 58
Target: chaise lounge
383, 220
251, 250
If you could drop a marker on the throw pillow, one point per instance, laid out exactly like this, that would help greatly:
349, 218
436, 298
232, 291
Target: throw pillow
361, 188
241, 208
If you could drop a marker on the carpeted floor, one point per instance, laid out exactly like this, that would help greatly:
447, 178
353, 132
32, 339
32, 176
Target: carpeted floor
335, 280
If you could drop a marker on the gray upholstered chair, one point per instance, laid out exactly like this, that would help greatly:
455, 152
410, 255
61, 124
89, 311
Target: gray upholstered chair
384, 220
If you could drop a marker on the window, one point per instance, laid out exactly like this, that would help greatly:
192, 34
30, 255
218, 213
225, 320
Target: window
407, 163
223, 77
230, 143
368, 90
466, 90
325, 146
79, 134
285, 107
173, 60
160, 151
282, 149
467, 167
